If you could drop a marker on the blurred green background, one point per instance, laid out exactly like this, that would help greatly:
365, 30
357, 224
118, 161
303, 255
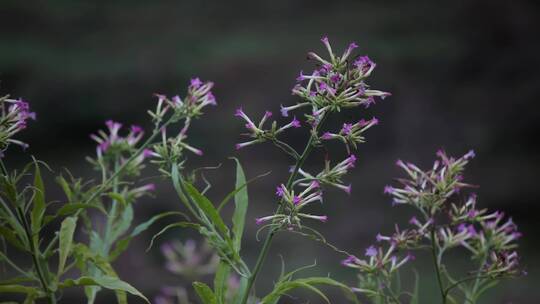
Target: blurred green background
464, 75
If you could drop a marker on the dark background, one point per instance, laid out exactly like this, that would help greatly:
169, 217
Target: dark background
464, 75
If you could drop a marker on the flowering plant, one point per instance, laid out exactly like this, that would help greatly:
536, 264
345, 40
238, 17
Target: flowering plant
93, 225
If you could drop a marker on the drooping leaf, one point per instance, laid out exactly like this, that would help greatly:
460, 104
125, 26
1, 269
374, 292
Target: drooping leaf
241, 205
67, 229
170, 226
107, 282
204, 292
122, 244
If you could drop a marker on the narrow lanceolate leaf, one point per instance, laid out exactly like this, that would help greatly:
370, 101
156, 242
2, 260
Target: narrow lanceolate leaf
221, 281
38, 203
241, 205
209, 210
67, 229
107, 282
205, 293
283, 287
21, 289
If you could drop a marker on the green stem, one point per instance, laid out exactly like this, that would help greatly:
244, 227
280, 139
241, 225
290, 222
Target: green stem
478, 276
34, 252
111, 215
269, 237
437, 264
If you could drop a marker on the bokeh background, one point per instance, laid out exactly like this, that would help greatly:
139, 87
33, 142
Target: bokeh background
464, 75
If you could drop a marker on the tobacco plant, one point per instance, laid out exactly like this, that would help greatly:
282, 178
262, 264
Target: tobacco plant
73, 243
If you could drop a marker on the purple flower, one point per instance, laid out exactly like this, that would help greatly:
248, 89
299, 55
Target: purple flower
301, 77
284, 111
280, 190
346, 129
335, 78
389, 189
324, 39
327, 136
469, 155
371, 251
295, 122
369, 101
136, 129
196, 82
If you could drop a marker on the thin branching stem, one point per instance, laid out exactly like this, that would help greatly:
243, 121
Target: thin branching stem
269, 237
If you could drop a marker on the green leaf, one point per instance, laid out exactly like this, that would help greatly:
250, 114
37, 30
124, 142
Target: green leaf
170, 226
38, 208
241, 290
67, 229
221, 281
107, 282
241, 205
69, 209
65, 186
205, 293
209, 210
11, 237
282, 287
83, 256
20, 289
122, 244
121, 224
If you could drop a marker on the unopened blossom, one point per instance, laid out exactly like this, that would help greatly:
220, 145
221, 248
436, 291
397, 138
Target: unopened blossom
14, 116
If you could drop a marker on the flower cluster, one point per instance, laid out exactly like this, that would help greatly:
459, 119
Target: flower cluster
171, 148
336, 83
14, 114
444, 222
113, 149
198, 96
